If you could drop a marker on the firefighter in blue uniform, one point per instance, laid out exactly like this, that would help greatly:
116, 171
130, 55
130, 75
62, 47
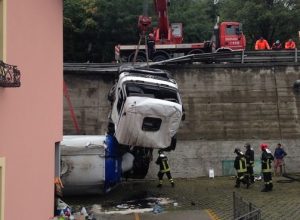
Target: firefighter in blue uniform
266, 166
164, 168
249, 154
240, 165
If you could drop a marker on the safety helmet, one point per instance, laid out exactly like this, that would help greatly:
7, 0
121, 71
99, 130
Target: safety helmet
263, 146
247, 145
237, 150
151, 36
277, 42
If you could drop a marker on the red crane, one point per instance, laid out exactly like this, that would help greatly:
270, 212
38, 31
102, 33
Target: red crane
164, 33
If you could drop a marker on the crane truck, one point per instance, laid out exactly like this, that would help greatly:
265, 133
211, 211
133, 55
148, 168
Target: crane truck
227, 36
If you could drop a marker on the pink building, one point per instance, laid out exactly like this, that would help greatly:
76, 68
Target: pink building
30, 115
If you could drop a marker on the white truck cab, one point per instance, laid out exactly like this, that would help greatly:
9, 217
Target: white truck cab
146, 108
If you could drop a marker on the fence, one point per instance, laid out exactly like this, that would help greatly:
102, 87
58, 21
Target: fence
265, 56
241, 57
243, 210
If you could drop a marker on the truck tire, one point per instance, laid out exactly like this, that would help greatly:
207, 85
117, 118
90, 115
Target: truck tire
222, 50
195, 51
141, 57
160, 56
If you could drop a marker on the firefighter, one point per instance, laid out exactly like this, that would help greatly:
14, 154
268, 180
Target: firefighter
262, 44
266, 162
164, 168
290, 45
240, 165
249, 154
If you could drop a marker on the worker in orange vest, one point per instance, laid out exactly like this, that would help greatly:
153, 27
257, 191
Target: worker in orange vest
290, 44
262, 44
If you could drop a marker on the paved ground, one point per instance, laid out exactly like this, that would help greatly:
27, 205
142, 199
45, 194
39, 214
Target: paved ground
214, 196
167, 215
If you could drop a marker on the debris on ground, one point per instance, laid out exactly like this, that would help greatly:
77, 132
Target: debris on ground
150, 204
157, 209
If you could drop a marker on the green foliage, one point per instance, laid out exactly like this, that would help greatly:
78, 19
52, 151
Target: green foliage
195, 17
93, 27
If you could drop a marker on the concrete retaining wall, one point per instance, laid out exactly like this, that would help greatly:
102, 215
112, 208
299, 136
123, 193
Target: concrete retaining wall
226, 106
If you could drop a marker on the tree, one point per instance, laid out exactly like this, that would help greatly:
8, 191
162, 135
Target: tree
196, 17
93, 27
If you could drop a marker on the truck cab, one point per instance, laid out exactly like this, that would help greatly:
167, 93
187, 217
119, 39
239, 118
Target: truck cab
229, 36
146, 108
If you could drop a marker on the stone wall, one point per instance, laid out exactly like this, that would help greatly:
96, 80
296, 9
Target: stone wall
226, 106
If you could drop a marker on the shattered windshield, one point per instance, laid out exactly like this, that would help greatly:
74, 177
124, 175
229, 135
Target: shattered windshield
152, 91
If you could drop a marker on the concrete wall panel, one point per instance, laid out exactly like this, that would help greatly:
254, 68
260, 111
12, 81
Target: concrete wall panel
226, 106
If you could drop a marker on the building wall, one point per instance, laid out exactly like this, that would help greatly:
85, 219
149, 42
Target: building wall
226, 106
2, 187
31, 116
1, 28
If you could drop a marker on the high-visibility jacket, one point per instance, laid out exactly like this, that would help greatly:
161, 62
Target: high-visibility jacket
162, 161
262, 45
290, 45
266, 161
240, 164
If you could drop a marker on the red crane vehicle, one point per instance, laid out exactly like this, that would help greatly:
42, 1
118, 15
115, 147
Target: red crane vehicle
227, 36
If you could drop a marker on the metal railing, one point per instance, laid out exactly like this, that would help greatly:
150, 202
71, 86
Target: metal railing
243, 210
265, 56
241, 57
9, 75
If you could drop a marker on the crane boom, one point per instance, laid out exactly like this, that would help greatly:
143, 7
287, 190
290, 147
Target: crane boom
161, 7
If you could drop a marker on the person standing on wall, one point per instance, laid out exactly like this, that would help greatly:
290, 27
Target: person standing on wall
262, 44
279, 161
290, 44
240, 166
164, 168
276, 45
249, 154
266, 166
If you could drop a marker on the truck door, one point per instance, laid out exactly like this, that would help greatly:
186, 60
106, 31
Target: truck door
231, 36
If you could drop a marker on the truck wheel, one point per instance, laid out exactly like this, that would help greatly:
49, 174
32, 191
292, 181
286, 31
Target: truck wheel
223, 50
160, 57
196, 51
141, 57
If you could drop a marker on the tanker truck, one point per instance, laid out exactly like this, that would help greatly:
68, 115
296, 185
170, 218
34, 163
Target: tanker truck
146, 111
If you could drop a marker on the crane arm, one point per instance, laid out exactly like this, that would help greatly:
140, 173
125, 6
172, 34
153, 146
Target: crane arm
161, 8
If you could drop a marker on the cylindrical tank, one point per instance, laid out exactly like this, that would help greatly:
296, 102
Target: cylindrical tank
89, 164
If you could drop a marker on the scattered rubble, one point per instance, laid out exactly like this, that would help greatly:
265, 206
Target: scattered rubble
150, 204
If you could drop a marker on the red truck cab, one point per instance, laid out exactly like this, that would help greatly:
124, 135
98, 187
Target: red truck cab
229, 36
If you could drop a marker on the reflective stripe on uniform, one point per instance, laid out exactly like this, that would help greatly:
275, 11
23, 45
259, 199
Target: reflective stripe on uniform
268, 168
242, 166
166, 167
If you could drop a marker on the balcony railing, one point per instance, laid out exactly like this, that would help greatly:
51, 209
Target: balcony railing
9, 75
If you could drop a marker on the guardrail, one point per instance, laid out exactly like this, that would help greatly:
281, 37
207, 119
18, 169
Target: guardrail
269, 56
243, 210
91, 67
265, 56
